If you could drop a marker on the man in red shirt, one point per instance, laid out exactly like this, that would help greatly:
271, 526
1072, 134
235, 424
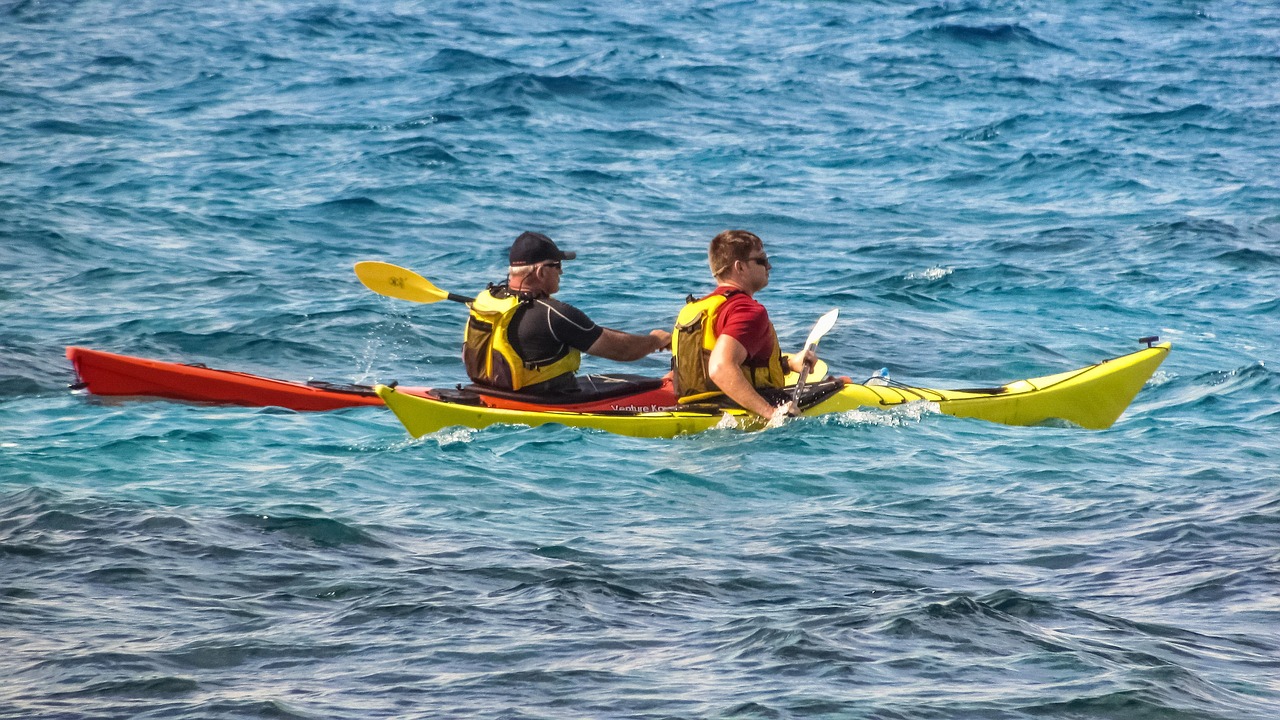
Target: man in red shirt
739, 353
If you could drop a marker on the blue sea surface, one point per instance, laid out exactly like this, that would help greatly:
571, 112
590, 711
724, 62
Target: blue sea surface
986, 189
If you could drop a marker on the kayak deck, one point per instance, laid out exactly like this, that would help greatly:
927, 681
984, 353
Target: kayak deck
1092, 397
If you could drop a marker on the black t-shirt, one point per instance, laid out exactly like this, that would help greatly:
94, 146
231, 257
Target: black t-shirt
543, 330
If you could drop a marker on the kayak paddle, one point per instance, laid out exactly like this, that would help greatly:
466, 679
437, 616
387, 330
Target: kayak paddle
400, 283
820, 328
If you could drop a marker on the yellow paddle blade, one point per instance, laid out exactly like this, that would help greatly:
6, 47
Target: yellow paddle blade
396, 282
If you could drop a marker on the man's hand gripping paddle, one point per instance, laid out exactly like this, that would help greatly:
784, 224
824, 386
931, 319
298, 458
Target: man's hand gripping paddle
400, 283
820, 328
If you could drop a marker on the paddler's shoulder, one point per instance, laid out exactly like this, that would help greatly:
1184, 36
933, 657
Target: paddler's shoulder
736, 298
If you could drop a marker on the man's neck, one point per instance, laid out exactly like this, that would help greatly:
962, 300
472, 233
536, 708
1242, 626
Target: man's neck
736, 285
520, 285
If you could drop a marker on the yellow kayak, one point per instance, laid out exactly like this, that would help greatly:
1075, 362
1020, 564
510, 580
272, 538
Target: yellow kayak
1092, 397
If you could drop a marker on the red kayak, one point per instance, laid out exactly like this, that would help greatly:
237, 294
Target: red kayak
104, 373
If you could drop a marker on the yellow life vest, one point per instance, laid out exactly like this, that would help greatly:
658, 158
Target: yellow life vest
693, 340
487, 351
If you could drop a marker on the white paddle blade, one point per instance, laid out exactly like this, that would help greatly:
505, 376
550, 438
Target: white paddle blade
822, 327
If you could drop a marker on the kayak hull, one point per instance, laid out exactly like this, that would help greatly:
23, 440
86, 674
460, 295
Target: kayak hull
1092, 397
104, 373
425, 415
112, 374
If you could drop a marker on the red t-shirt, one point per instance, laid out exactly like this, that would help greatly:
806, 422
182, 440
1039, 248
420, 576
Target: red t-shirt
745, 320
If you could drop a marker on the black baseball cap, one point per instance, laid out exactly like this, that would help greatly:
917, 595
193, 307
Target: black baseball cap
532, 247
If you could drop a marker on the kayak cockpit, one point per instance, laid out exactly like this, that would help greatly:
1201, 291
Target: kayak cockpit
589, 388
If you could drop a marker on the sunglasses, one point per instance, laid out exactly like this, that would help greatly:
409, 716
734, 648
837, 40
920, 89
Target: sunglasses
762, 260
552, 264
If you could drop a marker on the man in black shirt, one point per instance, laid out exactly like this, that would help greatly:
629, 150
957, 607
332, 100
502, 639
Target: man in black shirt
520, 338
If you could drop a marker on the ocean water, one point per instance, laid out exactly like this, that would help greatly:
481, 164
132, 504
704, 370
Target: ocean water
986, 189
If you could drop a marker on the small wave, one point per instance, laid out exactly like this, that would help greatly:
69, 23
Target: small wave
324, 20
136, 687
60, 520
934, 273
982, 134
86, 173
67, 127
1000, 34
1194, 238
252, 709
511, 111
568, 553
963, 178
629, 139
1250, 377
44, 241
1254, 385
1220, 588
422, 156
352, 204
592, 177
114, 61
1054, 242
230, 652
931, 620
21, 385
252, 122
1020, 605
1248, 258
586, 587
255, 115
325, 532
1122, 703
176, 437
453, 60
121, 575
936, 12
1264, 308
791, 645
25, 501
522, 87
433, 119
1190, 112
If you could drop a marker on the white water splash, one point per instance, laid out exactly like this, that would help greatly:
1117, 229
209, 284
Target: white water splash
897, 416
933, 273
727, 422
453, 436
